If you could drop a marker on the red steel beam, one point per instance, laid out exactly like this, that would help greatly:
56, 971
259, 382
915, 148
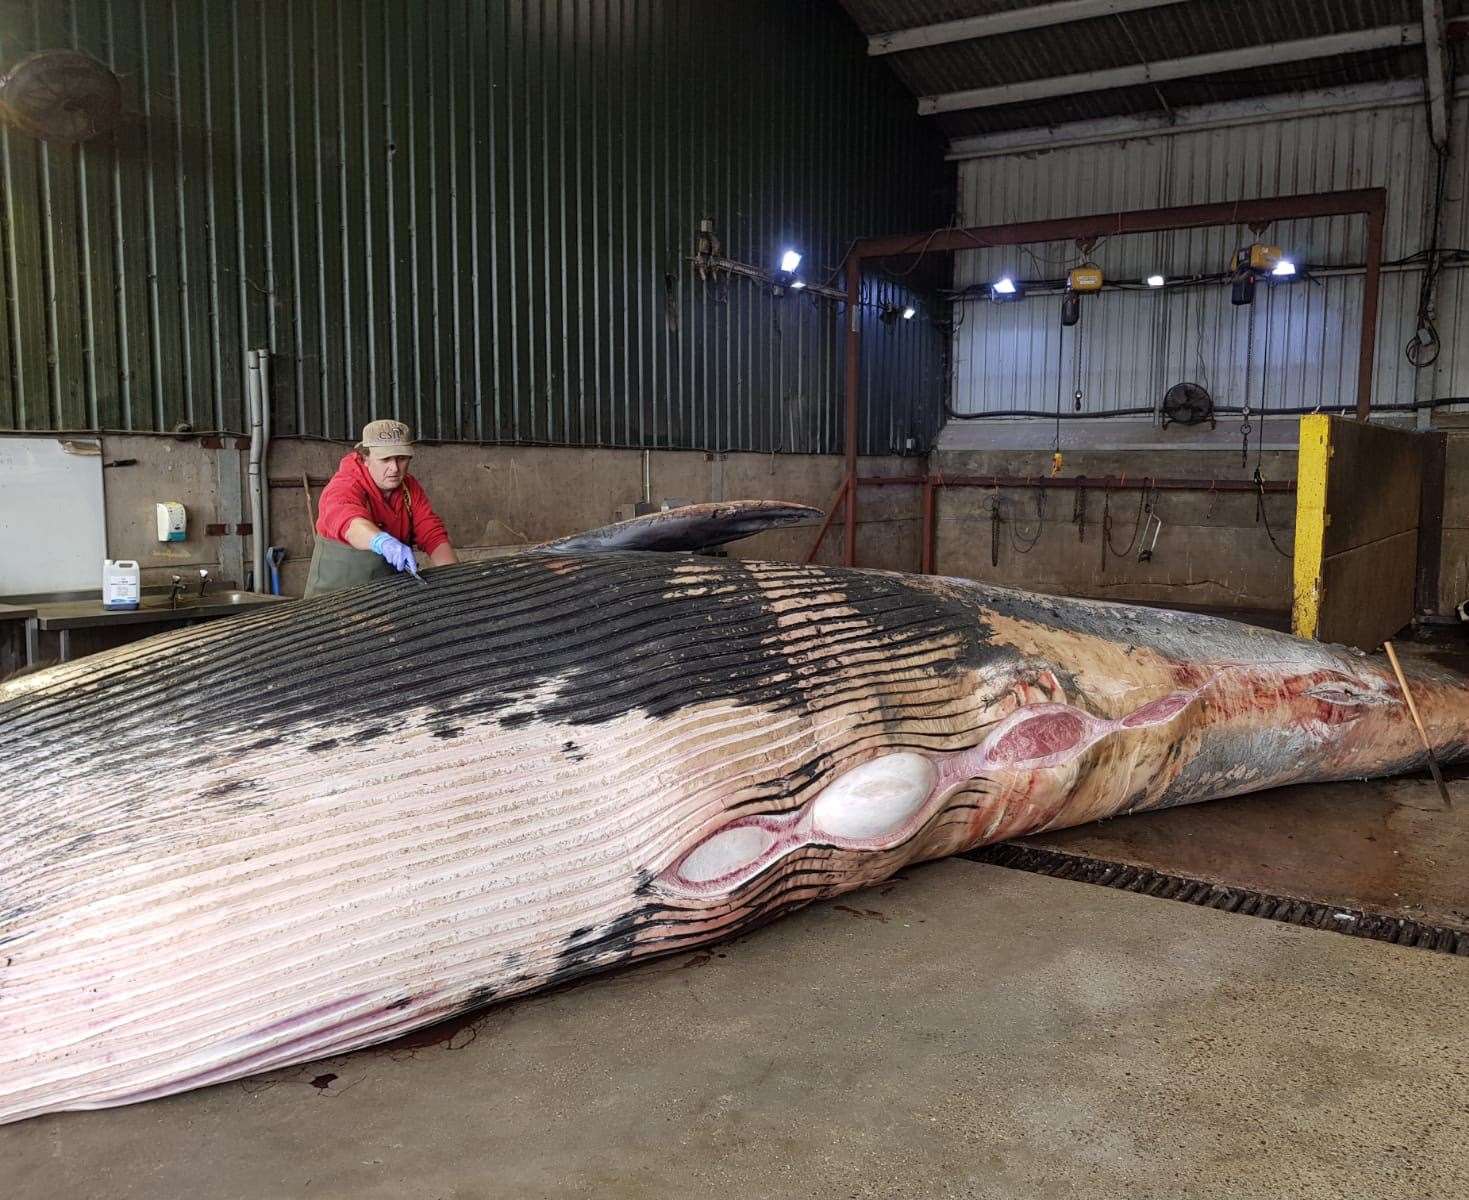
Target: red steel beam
842, 489
1109, 483
1142, 220
1370, 288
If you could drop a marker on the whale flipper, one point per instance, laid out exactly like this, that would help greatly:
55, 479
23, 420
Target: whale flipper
692, 527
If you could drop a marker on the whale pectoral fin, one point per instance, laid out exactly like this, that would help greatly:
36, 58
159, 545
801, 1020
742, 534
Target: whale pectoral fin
692, 527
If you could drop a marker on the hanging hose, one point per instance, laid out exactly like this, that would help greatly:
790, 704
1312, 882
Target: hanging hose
1040, 517
1262, 517
1137, 524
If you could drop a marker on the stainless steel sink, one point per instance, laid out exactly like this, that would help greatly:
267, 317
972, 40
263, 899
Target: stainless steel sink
241, 598
154, 606
79, 611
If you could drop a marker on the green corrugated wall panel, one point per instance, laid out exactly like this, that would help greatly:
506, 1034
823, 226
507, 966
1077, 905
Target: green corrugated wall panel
474, 215
24, 257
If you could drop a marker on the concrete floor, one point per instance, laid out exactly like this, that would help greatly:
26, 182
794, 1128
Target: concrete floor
963, 1031
1384, 846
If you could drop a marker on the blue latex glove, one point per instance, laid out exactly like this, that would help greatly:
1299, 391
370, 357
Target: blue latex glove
397, 555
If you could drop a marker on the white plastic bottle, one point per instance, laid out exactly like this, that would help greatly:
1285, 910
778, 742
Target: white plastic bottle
122, 583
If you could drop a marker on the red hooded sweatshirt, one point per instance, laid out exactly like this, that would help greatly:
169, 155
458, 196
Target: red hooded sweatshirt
404, 512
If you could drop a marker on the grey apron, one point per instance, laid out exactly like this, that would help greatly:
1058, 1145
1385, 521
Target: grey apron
336, 566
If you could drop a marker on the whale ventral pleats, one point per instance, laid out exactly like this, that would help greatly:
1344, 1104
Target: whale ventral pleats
731, 632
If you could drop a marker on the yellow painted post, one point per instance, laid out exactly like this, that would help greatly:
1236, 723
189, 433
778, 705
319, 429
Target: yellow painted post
1312, 464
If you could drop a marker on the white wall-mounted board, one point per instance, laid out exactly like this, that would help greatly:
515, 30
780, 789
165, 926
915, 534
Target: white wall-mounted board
53, 526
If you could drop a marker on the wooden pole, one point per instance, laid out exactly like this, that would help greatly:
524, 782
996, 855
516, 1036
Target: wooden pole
1443, 789
310, 512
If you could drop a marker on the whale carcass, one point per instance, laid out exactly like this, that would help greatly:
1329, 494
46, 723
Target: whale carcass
252, 844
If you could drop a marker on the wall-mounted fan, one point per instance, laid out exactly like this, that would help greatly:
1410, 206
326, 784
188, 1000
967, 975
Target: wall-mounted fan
1187, 404
60, 96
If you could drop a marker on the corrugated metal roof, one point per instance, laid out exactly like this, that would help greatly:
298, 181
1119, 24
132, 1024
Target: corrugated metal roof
1171, 31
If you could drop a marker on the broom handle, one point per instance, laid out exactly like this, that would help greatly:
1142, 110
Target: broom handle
1443, 791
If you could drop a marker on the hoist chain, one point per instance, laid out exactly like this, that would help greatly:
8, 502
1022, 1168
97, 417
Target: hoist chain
1244, 429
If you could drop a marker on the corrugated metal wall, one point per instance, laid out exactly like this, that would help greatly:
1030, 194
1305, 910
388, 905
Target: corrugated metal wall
1136, 344
472, 214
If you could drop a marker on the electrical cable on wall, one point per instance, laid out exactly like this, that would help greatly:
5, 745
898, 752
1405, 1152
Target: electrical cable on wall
1262, 517
1423, 347
1223, 409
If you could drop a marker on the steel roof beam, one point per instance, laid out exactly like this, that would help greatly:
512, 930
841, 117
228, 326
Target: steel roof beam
1383, 38
1190, 118
970, 28
1438, 73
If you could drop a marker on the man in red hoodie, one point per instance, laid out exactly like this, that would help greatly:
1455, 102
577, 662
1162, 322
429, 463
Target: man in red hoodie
372, 515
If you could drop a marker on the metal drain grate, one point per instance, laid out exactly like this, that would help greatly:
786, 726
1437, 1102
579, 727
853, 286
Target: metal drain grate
1351, 921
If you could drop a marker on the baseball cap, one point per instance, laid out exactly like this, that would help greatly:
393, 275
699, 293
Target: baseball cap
387, 439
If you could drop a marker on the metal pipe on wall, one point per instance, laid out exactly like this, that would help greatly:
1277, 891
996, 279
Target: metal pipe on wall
263, 368
256, 472
854, 381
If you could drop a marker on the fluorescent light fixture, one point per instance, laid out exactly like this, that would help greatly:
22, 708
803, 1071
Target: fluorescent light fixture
797, 284
1284, 267
1005, 286
909, 313
1155, 281
790, 260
